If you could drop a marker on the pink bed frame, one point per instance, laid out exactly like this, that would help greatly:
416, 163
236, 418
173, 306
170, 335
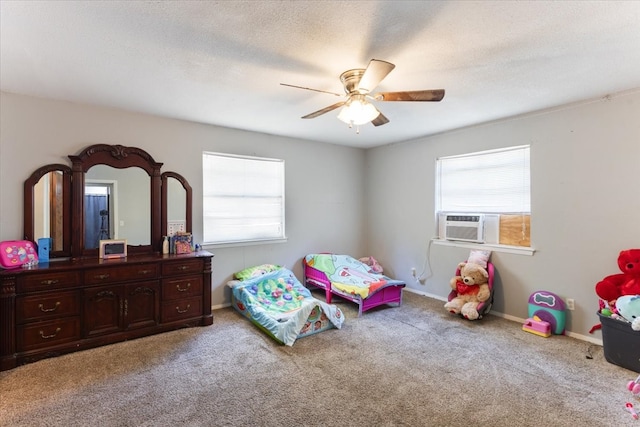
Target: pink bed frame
386, 295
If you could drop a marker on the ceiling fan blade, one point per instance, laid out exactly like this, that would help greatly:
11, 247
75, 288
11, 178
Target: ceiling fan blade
380, 120
412, 95
324, 110
373, 75
315, 90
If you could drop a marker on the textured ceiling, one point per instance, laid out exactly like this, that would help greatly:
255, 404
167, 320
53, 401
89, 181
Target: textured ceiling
222, 62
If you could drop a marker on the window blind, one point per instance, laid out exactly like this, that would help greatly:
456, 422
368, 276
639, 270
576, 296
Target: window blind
243, 198
496, 181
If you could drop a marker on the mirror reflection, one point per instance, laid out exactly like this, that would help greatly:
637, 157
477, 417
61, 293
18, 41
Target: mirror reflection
176, 206
117, 205
48, 202
126, 199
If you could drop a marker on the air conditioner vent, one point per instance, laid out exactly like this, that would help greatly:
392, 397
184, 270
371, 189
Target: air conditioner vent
464, 227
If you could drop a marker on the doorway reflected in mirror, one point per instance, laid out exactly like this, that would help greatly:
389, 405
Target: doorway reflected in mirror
97, 207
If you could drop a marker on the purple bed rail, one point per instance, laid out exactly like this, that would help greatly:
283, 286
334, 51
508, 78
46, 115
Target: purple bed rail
386, 295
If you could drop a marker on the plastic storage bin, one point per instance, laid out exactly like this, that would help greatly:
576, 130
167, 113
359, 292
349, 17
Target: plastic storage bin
621, 343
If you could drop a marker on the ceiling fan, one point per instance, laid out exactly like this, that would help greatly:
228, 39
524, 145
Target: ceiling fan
358, 86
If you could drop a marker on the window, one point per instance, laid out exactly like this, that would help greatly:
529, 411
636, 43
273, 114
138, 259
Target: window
243, 198
491, 182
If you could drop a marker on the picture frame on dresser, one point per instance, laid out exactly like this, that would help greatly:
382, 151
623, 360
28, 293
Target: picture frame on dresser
113, 248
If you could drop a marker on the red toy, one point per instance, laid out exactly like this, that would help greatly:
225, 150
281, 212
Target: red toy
626, 283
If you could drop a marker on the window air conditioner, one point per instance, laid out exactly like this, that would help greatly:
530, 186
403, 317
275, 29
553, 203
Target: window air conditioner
464, 227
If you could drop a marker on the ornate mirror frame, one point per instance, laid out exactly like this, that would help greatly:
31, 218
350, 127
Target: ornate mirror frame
29, 207
165, 200
119, 157
72, 189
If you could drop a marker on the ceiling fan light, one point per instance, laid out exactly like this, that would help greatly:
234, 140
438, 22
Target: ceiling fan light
344, 115
368, 113
358, 111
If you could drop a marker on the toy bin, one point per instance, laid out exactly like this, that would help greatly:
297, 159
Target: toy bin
621, 343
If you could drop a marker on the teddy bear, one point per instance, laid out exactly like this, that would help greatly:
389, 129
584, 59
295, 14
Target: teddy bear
614, 286
471, 289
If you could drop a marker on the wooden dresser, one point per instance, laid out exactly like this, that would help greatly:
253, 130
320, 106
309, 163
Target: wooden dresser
66, 306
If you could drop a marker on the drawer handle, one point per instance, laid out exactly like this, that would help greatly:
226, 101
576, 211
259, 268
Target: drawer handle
47, 310
49, 282
102, 276
183, 289
43, 336
143, 272
183, 311
183, 267
105, 294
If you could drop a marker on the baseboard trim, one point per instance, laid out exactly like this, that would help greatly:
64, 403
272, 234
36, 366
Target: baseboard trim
593, 340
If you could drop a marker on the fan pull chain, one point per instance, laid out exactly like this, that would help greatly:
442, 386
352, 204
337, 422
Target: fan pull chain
357, 127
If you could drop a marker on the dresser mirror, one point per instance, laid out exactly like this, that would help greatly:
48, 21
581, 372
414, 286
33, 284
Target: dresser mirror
47, 208
116, 206
176, 203
109, 192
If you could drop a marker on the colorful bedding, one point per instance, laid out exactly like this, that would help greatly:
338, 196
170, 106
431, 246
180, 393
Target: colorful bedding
282, 307
349, 275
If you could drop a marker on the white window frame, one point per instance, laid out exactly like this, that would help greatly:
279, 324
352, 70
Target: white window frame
520, 202
253, 211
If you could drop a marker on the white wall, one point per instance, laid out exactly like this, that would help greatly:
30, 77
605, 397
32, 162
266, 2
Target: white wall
585, 173
324, 182
585, 162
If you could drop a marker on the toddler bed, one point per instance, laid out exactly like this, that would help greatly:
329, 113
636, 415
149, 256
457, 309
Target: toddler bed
273, 299
351, 279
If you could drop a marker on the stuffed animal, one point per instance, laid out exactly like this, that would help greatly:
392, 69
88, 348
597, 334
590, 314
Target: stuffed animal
628, 306
612, 287
471, 288
373, 263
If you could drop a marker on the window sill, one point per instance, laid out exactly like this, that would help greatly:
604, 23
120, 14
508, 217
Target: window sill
518, 250
208, 246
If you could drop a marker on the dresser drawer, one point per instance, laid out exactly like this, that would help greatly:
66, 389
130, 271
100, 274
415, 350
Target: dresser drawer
48, 281
47, 334
47, 305
181, 267
181, 309
120, 273
182, 287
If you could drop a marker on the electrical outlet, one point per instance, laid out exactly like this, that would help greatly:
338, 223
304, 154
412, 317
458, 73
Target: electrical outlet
413, 272
571, 304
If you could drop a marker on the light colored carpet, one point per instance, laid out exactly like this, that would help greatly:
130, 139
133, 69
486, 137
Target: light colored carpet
413, 365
